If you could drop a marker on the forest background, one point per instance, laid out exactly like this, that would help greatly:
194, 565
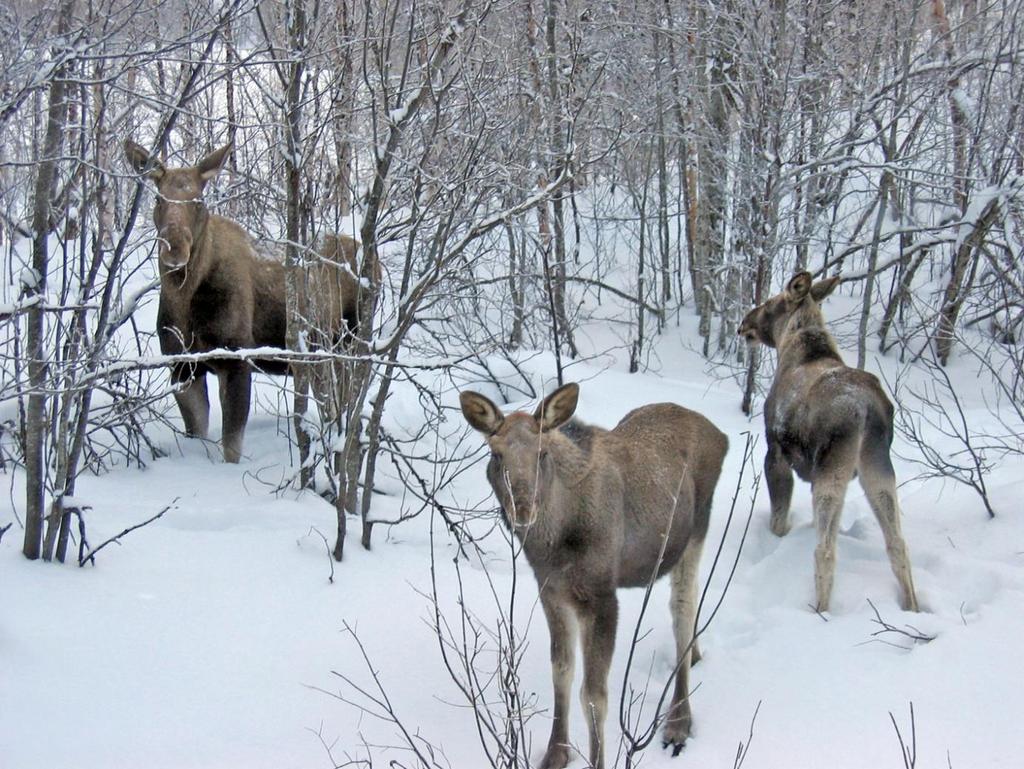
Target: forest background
555, 189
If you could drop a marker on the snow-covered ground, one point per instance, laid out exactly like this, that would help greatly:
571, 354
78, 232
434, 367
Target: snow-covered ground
211, 637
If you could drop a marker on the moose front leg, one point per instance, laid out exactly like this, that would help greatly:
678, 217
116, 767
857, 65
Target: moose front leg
193, 401
235, 388
598, 619
779, 476
562, 628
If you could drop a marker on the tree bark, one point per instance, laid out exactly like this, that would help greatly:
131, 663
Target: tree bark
35, 288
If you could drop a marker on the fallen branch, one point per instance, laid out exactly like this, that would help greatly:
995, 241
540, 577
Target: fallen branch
908, 631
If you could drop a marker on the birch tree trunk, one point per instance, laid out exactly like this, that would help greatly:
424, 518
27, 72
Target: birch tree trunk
952, 298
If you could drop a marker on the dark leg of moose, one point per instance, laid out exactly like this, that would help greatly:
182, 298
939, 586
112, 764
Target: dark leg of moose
562, 627
193, 401
235, 387
598, 620
779, 476
878, 480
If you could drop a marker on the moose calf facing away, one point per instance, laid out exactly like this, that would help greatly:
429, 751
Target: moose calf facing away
828, 422
217, 293
596, 510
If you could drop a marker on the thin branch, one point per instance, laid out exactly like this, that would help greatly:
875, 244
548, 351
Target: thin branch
330, 559
908, 752
91, 555
907, 631
742, 749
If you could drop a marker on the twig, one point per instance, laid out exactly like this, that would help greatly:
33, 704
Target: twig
378, 705
934, 410
909, 752
741, 749
430, 497
91, 555
83, 542
330, 558
814, 608
910, 632
366, 763
3, 530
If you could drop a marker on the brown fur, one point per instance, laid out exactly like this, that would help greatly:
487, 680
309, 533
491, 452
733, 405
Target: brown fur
828, 422
333, 315
216, 292
596, 510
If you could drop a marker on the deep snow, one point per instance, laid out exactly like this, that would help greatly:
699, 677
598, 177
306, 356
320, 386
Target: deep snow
207, 638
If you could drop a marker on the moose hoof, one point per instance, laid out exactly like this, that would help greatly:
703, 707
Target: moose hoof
675, 736
557, 757
232, 449
675, 747
779, 527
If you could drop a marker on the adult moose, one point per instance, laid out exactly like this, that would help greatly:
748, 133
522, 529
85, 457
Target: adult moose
217, 293
828, 422
596, 510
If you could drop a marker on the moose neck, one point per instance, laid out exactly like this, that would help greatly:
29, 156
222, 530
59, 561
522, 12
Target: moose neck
559, 501
805, 339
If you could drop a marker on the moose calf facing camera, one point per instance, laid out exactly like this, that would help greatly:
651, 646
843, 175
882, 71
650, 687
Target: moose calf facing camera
596, 510
828, 422
217, 293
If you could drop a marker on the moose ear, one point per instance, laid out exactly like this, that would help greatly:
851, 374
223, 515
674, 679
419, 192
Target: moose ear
142, 161
798, 287
480, 412
212, 164
558, 408
824, 287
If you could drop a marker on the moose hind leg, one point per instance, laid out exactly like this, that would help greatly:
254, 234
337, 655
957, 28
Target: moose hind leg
598, 620
235, 391
827, 493
193, 401
562, 628
683, 604
779, 475
879, 484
